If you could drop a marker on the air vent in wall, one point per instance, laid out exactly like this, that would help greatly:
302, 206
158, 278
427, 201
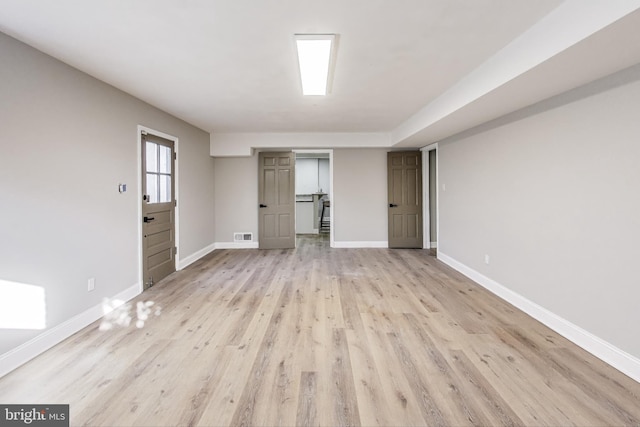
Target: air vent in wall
242, 237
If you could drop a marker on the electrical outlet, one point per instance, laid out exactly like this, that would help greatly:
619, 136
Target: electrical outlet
91, 284
486, 259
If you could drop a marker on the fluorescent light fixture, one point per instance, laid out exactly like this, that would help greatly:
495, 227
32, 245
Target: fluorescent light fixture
314, 60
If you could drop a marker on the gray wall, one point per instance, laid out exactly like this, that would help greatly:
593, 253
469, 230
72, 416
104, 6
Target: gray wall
360, 195
359, 198
236, 195
67, 140
552, 194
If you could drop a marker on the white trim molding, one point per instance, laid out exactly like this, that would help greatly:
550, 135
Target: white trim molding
236, 245
430, 147
343, 244
426, 199
188, 260
619, 359
43, 342
426, 214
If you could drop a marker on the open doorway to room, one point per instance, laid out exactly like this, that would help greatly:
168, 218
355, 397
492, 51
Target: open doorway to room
430, 189
314, 197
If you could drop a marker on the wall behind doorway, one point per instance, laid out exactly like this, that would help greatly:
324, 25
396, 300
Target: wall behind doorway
360, 197
312, 175
236, 197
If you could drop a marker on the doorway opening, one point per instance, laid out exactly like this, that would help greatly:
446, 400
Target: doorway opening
314, 196
430, 189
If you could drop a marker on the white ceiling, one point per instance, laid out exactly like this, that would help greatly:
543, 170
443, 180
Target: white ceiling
229, 66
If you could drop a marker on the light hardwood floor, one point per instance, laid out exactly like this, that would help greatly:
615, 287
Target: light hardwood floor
319, 336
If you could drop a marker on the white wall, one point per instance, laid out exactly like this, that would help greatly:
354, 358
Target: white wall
67, 140
552, 194
312, 175
323, 176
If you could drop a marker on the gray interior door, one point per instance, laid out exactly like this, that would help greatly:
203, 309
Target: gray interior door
158, 209
276, 200
404, 171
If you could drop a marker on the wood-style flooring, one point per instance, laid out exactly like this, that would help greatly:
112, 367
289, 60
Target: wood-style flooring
320, 336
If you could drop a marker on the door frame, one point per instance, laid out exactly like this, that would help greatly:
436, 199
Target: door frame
426, 219
139, 191
330, 152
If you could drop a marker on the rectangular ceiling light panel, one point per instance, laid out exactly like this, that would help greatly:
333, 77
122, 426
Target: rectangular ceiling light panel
314, 60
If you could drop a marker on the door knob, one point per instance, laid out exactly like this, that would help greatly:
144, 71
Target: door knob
263, 206
393, 205
147, 219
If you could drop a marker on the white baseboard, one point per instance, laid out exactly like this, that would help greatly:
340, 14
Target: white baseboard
619, 359
186, 261
236, 245
35, 346
343, 244
434, 245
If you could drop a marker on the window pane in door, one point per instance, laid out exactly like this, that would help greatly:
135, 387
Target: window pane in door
151, 153
165, 188
165, 159
152, 187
